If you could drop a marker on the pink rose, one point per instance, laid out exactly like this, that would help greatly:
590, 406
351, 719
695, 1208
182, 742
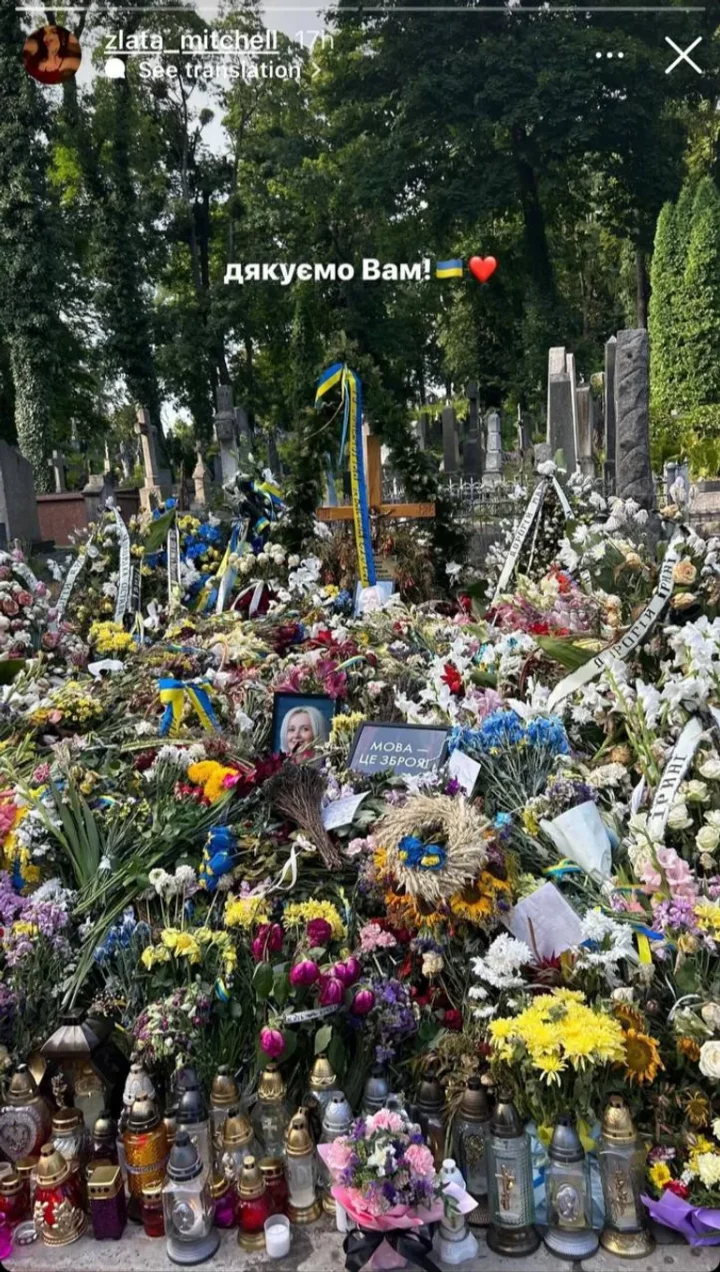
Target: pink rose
272, 1042
50, 640
318, 932
385, 1120
23, 598
420, 1159
337, 1156
10, 607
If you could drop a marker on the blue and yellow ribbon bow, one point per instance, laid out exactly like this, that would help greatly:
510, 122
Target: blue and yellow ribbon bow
173, 695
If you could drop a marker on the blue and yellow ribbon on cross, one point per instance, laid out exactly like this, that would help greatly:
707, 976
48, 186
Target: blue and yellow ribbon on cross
351, 392
174, 694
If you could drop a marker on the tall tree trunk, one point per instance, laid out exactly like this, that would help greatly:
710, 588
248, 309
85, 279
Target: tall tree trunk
536, 244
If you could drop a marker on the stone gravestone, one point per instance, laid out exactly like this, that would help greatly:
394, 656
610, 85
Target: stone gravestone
633, 473
451, 440
18, 506
157, 486
418, 428
202, 481
524, 432
225, 432
610, 421
58, 466
586, 429
562, 407
472, 450
493, 452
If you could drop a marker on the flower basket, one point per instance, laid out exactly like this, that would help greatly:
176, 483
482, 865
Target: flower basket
398, 1239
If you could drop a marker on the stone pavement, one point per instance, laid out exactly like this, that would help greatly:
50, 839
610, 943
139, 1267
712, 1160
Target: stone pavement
319, 1249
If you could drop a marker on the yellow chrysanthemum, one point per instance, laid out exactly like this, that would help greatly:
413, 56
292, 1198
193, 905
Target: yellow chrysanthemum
300, 912
245, 912
211, 776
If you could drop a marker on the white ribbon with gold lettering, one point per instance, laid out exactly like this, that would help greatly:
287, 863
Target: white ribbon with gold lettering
521, 535
633, 636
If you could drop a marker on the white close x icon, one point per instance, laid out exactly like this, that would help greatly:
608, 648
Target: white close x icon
683, 55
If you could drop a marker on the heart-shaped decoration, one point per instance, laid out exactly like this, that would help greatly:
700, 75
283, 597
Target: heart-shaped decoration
482, 267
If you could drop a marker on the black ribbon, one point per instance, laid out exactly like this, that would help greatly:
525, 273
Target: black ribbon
412, 1244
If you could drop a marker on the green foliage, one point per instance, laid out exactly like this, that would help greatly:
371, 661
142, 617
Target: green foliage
663, 328
701, 316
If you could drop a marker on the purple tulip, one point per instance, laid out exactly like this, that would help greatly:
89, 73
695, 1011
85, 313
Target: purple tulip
363, 1002
354, 969
272, 1042
268, 940
305, 972
332, 991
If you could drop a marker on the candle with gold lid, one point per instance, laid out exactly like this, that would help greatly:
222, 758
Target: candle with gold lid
304, 1205
108, 1207
622, 1173
14, 1198
271, 1114
224, 1096
58, 1215
322, 1083
238, 1142
146, 1151
253, 1206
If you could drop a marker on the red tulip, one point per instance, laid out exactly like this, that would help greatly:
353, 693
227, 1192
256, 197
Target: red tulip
272, 1042
332, 991
304, 973
363, 1002
348, 972
268, 940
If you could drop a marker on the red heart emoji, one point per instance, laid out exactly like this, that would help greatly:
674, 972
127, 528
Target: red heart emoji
482, 267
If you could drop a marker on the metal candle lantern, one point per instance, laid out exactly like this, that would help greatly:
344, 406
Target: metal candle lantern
238, 1143
470, 1141
146, 1151
430, 1113
24, 1117
569, 1197
622, 1172
322, 1083
304, 1205
337, 1121
85, 1051
192, 1116
187, 1205
376, 1092
510, 1185
57, 1211
271, 1114
69, 1133
224, 1096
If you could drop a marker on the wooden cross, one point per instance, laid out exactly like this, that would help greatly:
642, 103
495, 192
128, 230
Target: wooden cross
344, 512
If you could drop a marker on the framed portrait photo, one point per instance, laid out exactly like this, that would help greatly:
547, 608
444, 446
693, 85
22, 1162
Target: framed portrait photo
301, 722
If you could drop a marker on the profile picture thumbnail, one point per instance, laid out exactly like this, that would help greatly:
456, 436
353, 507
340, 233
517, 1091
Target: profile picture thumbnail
52, 54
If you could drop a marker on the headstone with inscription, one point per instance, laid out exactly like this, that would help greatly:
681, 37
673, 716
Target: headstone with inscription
450, 440
225, 431
202, 482
562, 407
493, 450
633, 477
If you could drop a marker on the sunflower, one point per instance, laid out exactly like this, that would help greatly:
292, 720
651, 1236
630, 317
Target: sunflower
642, 1058
479, 902
697, 1108
689, 1047
629, 1017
